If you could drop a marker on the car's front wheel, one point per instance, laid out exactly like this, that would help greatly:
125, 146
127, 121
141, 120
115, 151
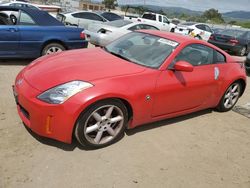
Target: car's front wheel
102, 123
230, 97
52, 48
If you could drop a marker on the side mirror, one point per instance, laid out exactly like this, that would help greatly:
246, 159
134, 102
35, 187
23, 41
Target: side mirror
183, 66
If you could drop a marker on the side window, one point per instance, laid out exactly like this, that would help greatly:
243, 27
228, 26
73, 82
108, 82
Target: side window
144, 26
165, 20
4, 19
135, 27
17, 5
219, 57
95, 17
196, 54
149, 16
202, 27
207, 28
160, 18
25, 19
77, 15
31, 6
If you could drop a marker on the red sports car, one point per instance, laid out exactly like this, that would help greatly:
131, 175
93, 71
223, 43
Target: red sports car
145, 76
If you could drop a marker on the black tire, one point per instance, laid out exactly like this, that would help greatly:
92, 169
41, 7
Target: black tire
242, 51
50, 46
172, 30
87, 117
222, 107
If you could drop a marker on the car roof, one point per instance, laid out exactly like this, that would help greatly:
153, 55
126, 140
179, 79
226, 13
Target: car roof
41, 17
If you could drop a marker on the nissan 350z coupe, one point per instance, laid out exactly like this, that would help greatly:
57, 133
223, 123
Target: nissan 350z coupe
145, 76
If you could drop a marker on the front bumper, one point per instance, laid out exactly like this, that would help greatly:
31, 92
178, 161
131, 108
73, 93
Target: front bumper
48, 120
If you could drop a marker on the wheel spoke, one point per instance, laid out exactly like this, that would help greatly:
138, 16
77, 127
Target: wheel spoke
234, 88
230, 101
227, 95
111, 131
98, 136
92, 128
116, 119
235, 94
227, 101
109, 112
97, 117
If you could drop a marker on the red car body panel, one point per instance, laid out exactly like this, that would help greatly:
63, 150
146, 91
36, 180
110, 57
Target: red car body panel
171, 93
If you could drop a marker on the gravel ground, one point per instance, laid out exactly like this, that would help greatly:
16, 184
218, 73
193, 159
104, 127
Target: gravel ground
205, 149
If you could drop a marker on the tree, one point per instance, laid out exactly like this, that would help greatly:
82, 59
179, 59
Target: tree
213, 15
111, 4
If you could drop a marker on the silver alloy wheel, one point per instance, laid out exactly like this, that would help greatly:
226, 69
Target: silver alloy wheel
232, 95
104, 124
53, 49
243, 51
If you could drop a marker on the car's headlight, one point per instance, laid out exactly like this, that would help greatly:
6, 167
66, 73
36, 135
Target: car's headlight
61, 93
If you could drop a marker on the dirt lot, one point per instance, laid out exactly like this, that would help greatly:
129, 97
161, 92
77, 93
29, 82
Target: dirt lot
204, 149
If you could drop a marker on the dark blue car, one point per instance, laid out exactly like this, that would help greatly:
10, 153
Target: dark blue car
30, 33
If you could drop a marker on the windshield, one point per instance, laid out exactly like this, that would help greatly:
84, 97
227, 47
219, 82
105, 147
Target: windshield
143, 49
233, 33
118, 23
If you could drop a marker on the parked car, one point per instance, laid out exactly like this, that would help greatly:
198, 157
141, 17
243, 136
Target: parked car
30, 33
197, 30
103, 34
247, 63
95, 94
157, 20
82, 19
20, 4
232, 40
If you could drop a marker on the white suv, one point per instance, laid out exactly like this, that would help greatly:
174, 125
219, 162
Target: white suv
197, 30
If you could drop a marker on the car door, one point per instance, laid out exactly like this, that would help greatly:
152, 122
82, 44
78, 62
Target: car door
9, 36
89, 18
208, 32
178, 91
204, 31
166, 24
31, 36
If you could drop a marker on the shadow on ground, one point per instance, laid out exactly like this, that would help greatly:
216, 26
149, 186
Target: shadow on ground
130, 132
14, 62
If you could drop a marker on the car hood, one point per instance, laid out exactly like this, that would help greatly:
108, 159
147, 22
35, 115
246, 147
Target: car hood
85, 64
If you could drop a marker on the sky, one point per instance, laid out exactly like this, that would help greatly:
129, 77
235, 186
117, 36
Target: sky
200, 5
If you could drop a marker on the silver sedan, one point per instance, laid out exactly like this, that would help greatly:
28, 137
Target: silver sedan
103, 34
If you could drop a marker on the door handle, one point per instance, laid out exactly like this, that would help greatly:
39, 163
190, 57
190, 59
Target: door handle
12, 30
216, 73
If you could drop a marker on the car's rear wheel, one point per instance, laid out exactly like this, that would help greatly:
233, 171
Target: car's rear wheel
230, 97
102, 123
52, 48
